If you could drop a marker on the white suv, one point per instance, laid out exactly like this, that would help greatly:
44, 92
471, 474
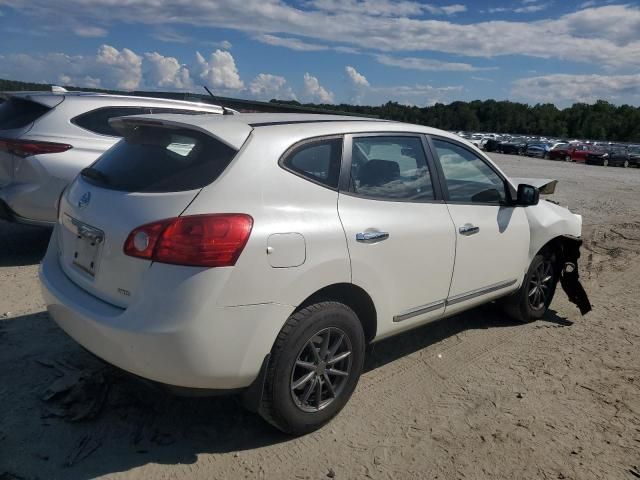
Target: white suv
46, 138
262, 252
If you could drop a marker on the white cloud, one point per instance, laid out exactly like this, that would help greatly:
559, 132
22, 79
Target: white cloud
166, 72
566, 89
291, 43
427, 64
607, 35
483, 79
385, 8
357, 79
125, 67
358, 83
109, 68
532, 8
316, 92
267, 86
446, 9
93, 32
170, 35
220, 71
420, 94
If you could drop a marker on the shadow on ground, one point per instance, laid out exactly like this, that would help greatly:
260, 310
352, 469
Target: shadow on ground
22, 245
78, 418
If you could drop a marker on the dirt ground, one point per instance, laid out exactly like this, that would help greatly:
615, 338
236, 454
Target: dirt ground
471, 397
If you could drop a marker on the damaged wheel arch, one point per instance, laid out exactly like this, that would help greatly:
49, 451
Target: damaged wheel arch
567, 250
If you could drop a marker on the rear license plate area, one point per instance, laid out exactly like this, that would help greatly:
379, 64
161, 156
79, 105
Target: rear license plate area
87, 246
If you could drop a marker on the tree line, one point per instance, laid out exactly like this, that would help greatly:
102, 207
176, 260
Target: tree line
599, 121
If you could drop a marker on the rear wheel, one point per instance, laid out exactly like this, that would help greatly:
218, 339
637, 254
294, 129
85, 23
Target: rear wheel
625, 164
605, 162
533, 298
567, 158
315, 365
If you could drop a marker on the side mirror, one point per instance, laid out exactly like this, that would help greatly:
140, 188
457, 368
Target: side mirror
527, 195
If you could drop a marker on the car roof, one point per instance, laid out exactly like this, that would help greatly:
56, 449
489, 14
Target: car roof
234, 129
53, 98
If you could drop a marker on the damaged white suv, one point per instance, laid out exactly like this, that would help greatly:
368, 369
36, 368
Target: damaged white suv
262, 252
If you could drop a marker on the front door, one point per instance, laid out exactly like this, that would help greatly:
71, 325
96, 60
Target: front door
492, 236
399, 233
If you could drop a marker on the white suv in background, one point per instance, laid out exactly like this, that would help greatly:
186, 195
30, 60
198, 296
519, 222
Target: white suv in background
262, 252
46, 138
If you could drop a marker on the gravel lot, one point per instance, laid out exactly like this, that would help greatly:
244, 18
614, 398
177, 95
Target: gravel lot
474, 396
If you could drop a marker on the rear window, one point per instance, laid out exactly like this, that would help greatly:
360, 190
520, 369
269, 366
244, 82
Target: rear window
97, 121
152, 159
18, 113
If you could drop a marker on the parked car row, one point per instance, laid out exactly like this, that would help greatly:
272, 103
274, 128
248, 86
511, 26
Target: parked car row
260, 253
591, 153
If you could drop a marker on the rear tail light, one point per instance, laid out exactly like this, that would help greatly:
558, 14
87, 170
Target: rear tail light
198, 240
26, 148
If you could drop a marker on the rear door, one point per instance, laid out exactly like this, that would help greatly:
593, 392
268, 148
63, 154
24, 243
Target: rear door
399, 234
492, 236
154, 173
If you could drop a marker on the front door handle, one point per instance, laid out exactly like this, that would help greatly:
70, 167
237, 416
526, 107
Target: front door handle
468, 229
371, 237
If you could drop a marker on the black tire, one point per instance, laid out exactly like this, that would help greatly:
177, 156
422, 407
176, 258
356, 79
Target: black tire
525, 306
285, 407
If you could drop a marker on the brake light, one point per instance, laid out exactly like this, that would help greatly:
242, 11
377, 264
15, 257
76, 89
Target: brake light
215, 240
26, 148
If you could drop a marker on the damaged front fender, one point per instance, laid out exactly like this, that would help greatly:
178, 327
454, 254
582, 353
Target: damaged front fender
569, 275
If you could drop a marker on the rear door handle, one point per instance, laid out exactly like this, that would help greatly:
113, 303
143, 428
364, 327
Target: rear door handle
371, 237
468, 229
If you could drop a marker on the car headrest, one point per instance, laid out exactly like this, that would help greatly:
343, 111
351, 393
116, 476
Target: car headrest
378, 172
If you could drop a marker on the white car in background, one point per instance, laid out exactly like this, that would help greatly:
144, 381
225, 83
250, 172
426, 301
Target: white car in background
46, 138
262, 252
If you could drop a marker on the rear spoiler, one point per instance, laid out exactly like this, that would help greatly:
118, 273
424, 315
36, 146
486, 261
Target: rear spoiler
547, 186
225, 128
48, 99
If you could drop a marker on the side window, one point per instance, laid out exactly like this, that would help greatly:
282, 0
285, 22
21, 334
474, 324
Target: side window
468, 178
318, 161
393, 168
97, 121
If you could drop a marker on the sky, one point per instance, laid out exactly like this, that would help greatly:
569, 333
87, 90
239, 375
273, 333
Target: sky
332, 51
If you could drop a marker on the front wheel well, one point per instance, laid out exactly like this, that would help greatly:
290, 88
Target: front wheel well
355, 298
567, 249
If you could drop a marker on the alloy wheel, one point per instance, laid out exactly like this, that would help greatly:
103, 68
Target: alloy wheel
540, 285
322, 369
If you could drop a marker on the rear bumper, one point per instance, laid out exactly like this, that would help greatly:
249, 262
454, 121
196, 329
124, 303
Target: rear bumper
163, 337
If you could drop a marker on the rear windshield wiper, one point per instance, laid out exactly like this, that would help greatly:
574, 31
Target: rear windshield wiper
95, 174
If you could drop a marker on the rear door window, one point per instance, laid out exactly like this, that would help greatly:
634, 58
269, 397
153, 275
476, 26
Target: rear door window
390, 168
18, 113
152, 159
317, 160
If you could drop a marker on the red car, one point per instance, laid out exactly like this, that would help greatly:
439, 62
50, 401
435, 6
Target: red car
570, 152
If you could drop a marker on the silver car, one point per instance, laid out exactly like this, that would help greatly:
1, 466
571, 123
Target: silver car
46, 138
